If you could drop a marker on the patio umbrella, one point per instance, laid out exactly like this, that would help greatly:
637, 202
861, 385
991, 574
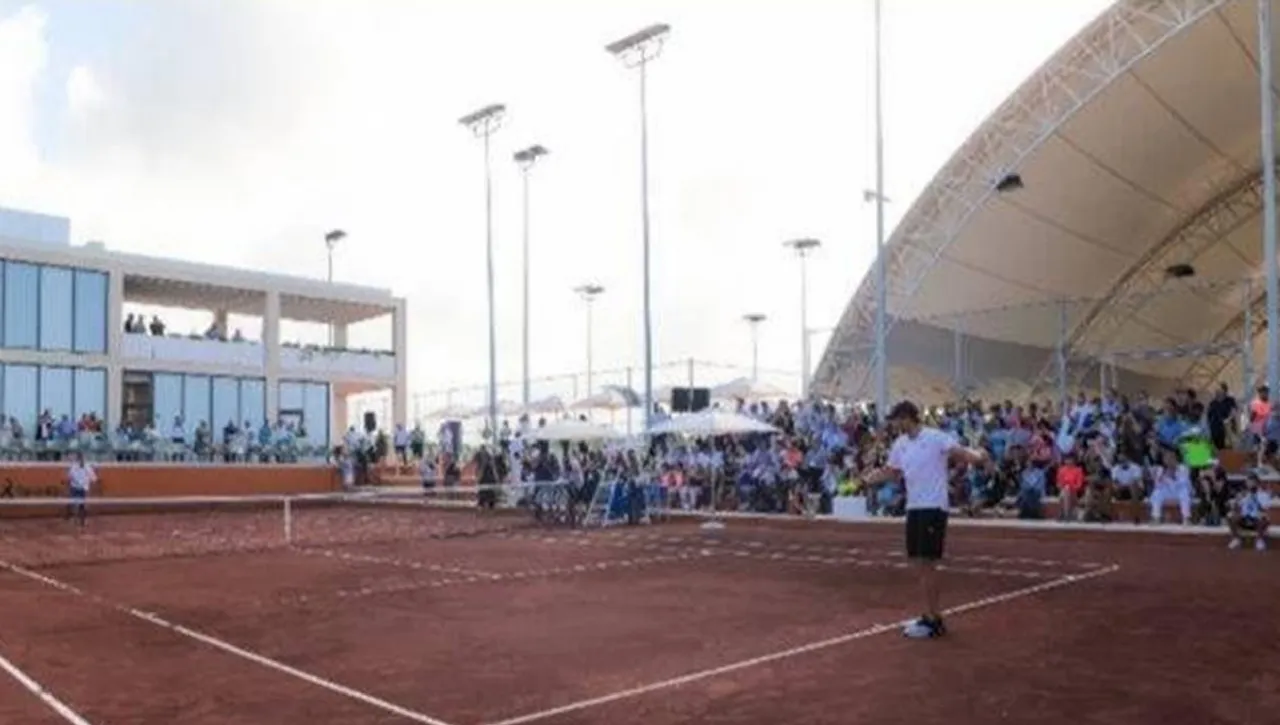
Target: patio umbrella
610, 397
748, 390
712, 422
575, 431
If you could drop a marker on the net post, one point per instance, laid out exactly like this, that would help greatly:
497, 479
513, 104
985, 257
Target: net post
288, 521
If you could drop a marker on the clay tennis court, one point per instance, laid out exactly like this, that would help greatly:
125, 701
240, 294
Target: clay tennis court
414, 616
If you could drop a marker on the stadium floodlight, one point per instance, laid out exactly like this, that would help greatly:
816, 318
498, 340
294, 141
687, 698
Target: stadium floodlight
483, 124
589, 293
641, 46
525, 159
1009, 182
636, 51
803, 248
754, 319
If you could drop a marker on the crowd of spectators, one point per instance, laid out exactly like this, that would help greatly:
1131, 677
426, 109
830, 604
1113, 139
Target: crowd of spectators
1097, 459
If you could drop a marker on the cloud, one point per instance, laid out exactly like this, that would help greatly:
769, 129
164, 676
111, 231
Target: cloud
84, 94
23, 56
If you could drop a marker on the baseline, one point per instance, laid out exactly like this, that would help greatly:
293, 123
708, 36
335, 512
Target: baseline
867, 632
227, 647
35, 688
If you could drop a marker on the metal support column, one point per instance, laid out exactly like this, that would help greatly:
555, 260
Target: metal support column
1246, 345
1062, 355
881, 361
629, 411
957, 372
1269, 191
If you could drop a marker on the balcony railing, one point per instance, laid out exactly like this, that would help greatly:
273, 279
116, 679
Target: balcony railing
331, 361
194, 350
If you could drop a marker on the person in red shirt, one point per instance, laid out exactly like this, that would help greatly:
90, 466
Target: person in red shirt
1071, 483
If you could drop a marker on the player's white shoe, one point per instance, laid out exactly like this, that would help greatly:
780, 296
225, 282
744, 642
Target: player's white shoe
1233, 544
1260, 544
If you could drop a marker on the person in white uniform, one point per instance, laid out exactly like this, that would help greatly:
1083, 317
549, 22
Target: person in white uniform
80, 480
1172, 482
920, 458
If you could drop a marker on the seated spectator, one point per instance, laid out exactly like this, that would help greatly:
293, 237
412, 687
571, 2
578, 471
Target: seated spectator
1031, 490
1128, 479
1214, 492
1071, 486
1249, 513
1172, 483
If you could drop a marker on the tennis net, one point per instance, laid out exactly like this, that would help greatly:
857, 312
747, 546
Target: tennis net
47, 532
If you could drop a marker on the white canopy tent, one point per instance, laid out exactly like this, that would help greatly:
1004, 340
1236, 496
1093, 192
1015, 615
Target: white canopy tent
711, 422
748, 390
574, 431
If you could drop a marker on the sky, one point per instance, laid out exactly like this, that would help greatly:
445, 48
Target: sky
239, 132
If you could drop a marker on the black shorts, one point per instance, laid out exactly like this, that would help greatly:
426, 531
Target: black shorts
926, 533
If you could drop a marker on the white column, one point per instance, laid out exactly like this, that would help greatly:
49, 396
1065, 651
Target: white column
271, 341
115, 348
400, 345
340, 336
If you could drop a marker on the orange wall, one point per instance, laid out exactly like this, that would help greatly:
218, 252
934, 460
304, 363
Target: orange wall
150, 480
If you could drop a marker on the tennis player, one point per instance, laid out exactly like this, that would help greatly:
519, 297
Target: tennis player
919, 458
80, 479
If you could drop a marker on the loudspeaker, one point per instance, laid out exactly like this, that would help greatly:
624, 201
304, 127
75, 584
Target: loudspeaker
370, 421
690, 400
679, 400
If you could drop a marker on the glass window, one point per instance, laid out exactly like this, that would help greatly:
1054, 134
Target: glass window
56, 321
20, 385
226, 404
90, 312
21, 304
90, 387
55, 391
253, 401
195, 397
315, 413
290, 397
166, 396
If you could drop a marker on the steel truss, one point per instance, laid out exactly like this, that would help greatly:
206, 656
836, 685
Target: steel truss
1123, 36
1147, 279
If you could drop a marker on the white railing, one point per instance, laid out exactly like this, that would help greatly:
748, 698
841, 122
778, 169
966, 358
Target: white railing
353, 363
194, 350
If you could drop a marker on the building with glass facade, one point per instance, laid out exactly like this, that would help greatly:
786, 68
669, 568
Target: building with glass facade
64, 348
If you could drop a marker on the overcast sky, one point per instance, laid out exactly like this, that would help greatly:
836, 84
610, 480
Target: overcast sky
239, 131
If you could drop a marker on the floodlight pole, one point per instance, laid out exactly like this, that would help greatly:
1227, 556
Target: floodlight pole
484, 123
331, 240
1269, 192
589, 292
882, 296
802, 249
754, 321
636, 51
526, 159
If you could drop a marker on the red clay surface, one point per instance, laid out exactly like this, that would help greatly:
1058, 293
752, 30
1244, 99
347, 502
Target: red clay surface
488, 628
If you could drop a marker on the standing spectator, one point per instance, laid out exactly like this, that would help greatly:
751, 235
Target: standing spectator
1221, 416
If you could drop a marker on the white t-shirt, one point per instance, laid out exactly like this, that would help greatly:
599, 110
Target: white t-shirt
81, 477
1254, 504
1127, 474
923, 462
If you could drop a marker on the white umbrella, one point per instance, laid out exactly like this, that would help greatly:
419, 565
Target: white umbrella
574, 430
451, 412
748, 390
611, 397
506, 408
552, 404
712, 422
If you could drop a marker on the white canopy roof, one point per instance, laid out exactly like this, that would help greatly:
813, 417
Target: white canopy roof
1138, 149
711, 422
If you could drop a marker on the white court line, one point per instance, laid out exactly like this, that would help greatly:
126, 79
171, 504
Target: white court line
227, 647
871, 631
35, 688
